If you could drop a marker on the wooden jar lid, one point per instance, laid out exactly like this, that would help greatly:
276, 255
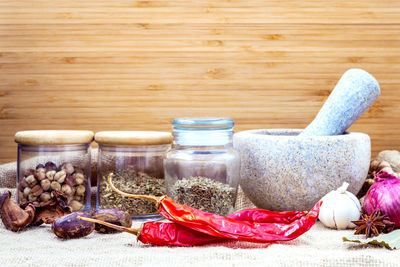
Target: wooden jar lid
133, 138
53, 137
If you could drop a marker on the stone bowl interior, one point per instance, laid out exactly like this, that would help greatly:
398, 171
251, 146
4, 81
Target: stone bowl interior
281, 170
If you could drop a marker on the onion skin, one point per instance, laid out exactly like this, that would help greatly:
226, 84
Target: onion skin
384, 195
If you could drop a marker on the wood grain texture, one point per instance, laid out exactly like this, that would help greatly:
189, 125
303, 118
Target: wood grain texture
135, 65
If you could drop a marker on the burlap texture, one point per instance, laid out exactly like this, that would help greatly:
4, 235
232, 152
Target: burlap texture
38, 246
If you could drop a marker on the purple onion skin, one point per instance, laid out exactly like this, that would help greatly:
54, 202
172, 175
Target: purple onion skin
384, 195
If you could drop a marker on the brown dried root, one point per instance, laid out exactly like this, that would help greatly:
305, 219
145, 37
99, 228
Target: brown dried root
13, 216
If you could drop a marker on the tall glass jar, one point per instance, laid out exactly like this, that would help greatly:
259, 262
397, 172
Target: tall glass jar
136, 160
202, 169
50, 161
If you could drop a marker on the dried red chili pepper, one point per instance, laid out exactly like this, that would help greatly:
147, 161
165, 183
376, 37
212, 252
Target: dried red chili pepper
162, 233
267, 216
225, 227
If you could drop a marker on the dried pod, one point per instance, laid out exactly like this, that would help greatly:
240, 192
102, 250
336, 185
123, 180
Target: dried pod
45, 184
13, 216
55, 186
50, 166
114, 216
69, 226
50, 175
37, 190
80, 190
68, 168
31, 180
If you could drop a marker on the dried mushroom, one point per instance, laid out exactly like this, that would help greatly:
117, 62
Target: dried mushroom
13, 216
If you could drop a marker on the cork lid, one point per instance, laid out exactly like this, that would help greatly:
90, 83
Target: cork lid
133, 138
53, 137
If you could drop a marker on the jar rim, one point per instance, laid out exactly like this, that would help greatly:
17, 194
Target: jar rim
53, 137
202, 123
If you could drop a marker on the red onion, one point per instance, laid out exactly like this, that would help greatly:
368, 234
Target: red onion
384, 195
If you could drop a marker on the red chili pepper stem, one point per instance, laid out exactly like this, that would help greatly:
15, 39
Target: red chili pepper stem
134, 231
154, 199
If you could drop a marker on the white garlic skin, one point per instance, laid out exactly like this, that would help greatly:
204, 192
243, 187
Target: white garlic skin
339, 208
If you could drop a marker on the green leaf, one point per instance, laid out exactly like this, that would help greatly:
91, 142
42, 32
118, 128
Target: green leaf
390, 240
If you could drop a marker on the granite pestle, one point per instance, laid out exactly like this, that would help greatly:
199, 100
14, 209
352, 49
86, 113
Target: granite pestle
355, 92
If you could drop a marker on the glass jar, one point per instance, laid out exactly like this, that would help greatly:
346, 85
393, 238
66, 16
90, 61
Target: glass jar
51, 161
202, 169
136, 160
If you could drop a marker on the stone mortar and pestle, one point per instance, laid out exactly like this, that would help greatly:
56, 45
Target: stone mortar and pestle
291, 169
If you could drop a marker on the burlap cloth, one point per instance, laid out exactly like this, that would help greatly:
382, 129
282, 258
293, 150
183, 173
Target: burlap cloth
38, 246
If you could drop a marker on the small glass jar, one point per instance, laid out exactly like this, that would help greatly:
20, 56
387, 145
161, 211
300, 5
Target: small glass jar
51, 161
136, 160
202, 169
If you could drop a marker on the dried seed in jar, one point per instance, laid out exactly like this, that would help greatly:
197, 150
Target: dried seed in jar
50, 175
60, 176
20, 195
78, 198
50, 166
29, 172
66, 189
45, 184
68, 168
23, 184
31, 180
40, 174
44, 197
55, 186
75, 205
32, 198
80, 190
79, 178
37, 190
27, 191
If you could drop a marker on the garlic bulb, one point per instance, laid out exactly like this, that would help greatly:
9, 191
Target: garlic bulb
339, 208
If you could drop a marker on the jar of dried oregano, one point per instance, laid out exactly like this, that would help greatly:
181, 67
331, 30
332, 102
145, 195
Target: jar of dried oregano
202, 169
136, 160
50, 161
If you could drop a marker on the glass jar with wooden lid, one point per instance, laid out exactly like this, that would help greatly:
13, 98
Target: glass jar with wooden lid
54, 160
136, 160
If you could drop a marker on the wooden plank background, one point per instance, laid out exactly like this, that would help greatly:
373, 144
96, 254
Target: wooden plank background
135, 65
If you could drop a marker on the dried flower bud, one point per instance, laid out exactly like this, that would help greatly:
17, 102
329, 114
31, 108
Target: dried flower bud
27, 191
31, 180
14, 218
50, 175
55, 186
80, 190
60, 176
45, 184
37, 190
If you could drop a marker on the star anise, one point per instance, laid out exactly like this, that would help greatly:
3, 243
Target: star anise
373, 225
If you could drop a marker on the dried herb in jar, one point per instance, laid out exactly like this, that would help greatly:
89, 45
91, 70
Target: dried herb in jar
204, 194
135, 183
